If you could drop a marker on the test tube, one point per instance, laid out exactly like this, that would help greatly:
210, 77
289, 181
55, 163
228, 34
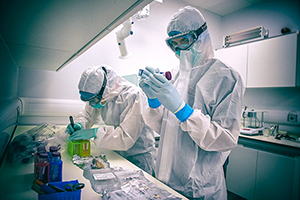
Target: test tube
166, 74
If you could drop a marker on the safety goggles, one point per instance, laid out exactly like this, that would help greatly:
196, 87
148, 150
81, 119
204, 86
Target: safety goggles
93, 98
96, 101
185, 40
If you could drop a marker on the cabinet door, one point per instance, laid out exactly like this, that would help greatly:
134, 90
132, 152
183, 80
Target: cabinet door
240, 178
275, 176
272, 62
235, 57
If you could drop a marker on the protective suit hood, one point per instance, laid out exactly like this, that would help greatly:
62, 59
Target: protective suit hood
92, 80
188, 19
115, 84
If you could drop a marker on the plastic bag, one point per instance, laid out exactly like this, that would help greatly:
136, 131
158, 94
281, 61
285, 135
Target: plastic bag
91, 162
23, 147
119, 184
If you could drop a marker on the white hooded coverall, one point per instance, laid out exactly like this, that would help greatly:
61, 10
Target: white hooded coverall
191, 154
124, 130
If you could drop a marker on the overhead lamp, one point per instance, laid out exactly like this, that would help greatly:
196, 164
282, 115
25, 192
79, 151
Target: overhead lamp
246, 35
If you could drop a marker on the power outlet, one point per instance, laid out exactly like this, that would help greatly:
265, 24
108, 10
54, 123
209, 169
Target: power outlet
292, 118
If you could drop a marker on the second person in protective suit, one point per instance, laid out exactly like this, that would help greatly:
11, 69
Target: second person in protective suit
119, 104
197, 114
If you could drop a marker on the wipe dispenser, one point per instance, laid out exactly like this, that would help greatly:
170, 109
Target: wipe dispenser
81, 148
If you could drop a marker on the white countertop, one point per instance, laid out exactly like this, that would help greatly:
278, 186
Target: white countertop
16, 180
271, 139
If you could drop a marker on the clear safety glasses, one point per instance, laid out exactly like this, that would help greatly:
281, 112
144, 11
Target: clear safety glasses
185, 40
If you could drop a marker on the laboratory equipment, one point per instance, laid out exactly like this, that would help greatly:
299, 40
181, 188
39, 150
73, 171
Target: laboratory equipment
42, 168
55, 167
74, 187
79, 147
166, 74
253, 122
61, 193
121, 35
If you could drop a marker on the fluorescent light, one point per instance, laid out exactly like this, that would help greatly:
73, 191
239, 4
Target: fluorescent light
242, 36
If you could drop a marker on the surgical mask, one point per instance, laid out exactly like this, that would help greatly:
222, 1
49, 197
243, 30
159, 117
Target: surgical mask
184, 41
177, 54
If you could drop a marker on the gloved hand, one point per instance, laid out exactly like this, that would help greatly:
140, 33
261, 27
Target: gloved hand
164, 90
77, 127
145, 87
84, 134
153, 102
143, 83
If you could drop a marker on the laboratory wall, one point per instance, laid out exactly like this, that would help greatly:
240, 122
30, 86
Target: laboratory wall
273, 15
146, 45
147, 48
49, 93
8, 74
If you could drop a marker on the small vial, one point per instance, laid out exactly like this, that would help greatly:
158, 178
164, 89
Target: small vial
166, 74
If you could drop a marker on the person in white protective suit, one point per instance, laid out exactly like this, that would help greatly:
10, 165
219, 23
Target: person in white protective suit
119, 103
197, 114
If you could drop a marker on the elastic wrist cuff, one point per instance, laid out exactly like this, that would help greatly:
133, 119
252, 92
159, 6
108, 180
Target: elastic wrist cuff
180, 107
184, 113
154, 103
79, 124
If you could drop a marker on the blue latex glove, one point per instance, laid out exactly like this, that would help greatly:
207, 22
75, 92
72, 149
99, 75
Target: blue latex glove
164, 90
71, 129
84, 134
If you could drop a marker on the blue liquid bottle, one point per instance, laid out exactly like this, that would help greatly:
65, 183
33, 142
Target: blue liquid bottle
55, 167
52, 149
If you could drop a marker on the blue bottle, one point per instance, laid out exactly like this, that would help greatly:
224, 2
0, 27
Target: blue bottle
55, 167
52, 149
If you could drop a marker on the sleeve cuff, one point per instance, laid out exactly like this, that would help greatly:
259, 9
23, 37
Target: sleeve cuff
154, 103
184, 113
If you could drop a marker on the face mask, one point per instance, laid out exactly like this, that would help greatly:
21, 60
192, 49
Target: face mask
177, 54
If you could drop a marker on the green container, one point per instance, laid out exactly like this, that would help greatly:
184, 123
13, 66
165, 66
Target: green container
81, 148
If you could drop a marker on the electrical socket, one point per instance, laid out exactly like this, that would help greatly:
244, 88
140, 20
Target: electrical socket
292, 117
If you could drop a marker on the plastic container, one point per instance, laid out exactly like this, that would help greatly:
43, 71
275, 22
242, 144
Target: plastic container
55, 173
74, 195
39, 150
41, 171
81, 148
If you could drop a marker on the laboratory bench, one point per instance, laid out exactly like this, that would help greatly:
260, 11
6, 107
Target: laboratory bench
16, 179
